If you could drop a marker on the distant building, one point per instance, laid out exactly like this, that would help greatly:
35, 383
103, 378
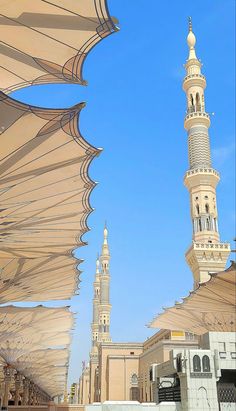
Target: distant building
74, 393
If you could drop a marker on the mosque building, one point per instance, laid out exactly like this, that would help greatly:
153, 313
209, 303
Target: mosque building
139, 371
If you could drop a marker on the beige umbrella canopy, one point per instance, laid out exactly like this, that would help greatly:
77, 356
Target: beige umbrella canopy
48, 41
35, 341
44, 192
38, 279
211, 307
45, 186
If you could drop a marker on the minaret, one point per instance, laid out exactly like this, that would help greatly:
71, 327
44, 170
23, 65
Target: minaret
96, 302
207, 253
100, 326
104, 306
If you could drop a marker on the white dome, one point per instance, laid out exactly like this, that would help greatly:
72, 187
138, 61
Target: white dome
191, 39
105, 232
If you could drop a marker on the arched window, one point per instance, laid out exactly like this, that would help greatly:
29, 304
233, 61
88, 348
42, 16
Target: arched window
208, 224
200, 224
206, 363
179, 363
196, 363
134, 379
191, 99
198, 103
207, 208
197, 208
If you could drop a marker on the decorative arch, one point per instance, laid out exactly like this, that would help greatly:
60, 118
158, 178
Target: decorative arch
134, 379
134, 390
198, 101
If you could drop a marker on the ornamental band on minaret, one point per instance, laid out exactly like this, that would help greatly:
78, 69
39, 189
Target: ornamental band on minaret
206, 254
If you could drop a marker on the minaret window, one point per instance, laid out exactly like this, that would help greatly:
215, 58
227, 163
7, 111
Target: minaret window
198, 103
207, 208
200, 225
208, 224
197, 208
191, 99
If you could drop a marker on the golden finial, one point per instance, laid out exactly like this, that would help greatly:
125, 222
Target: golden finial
190, 26
191, 40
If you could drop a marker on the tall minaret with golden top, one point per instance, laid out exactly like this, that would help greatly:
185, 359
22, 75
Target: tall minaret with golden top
104, 306
206, 254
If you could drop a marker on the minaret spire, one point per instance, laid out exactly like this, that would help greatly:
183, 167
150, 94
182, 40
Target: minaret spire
191, 40
206, 253
190, 28
105, 248
104, 307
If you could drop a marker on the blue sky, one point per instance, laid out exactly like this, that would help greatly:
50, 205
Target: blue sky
135, 110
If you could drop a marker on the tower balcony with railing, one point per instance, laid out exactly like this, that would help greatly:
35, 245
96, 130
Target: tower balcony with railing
196, 116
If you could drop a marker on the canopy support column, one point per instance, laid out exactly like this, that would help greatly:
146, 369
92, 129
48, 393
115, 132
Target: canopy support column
31, 387
8, 374
34, 395
18, 381
25, 391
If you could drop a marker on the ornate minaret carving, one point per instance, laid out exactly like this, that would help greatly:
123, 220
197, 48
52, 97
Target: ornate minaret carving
104, 306
207, 253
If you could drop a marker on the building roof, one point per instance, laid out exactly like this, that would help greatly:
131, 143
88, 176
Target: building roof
48, 41
211, 307
35, 341
45, 191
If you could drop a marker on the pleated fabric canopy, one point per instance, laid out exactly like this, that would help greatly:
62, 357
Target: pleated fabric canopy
38, 279
44, 186
45, 191
47, 41
211, 307
35, 341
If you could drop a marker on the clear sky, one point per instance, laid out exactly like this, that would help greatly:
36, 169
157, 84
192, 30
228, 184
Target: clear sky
135, 111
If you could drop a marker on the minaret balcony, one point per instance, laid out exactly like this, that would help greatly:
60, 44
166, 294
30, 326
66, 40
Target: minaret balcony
195, 118
201, 176
191, 80
196, 109
209, 246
